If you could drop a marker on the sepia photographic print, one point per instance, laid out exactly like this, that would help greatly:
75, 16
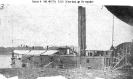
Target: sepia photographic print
66, 41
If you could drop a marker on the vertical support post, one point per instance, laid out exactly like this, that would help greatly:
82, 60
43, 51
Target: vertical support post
104, 60
126, 55
126, 59
113, 57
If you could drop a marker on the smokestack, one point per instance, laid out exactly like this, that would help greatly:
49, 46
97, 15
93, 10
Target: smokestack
81, 30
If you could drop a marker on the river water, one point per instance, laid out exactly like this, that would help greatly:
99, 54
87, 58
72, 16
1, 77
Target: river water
127, 74
5, 61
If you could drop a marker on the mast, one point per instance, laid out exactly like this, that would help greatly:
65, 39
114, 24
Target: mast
112, 47
13, 62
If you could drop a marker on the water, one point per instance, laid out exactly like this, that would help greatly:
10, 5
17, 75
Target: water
128, 74
5, 61
124, 77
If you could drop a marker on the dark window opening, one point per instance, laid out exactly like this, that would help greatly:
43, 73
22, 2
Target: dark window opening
87, 61
23, 65
90, 54
106, 53
101, 54
19, 58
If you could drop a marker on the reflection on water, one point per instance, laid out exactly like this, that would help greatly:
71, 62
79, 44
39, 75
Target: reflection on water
5, 61
128, 74
124, 77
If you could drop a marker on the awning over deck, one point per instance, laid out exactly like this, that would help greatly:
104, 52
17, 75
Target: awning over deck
35, 52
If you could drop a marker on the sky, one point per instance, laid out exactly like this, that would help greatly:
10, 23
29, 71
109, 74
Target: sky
57, 25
